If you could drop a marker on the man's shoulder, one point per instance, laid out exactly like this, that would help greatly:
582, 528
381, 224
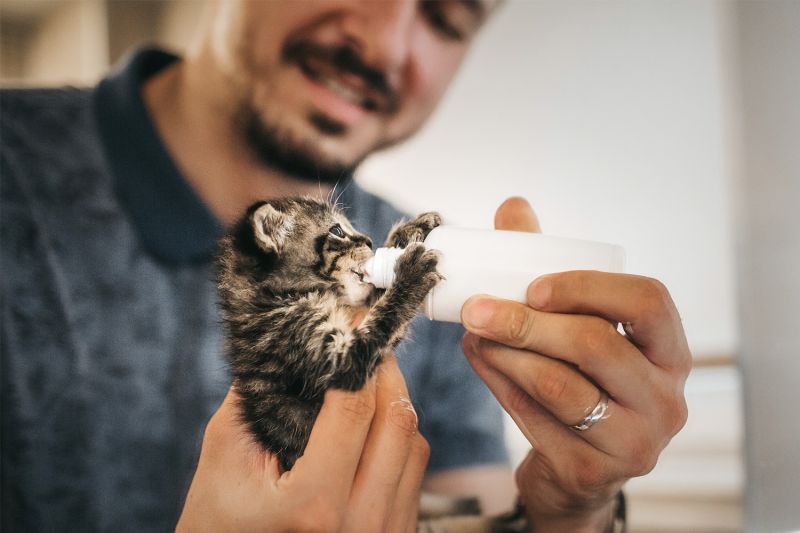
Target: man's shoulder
46, 126
51, 158
48, 135
41, 109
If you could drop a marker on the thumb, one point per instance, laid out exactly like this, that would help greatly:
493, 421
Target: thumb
516, 214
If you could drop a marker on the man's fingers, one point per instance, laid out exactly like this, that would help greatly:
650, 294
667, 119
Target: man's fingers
336, 443
557, 386
386, 452
588, 342
516, 214
570, 460
642, 305
564, 392
403, 516
542, 430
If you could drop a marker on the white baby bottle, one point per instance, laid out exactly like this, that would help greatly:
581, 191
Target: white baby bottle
495, 262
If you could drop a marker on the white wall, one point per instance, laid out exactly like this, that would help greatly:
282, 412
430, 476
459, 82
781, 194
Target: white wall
71, 45
611, 118
769, 259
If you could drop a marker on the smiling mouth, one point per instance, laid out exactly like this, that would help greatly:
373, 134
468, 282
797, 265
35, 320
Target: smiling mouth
334, 82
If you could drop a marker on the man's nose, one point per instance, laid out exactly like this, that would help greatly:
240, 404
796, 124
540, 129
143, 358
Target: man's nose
382, 31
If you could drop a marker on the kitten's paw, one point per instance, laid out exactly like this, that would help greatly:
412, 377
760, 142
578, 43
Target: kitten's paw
414, 231
417, 267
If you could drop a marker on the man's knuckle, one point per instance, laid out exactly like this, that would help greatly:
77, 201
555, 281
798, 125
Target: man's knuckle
520, 324
655, 300
643, 463
552, 384
404, 418
676, 414
684, 363
518, 400
588, 473
641, 454
682, 415
596, 337
420, 448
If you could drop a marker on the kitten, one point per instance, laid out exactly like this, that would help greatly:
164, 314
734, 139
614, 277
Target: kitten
291, 287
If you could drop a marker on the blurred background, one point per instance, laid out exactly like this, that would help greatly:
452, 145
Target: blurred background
668, 127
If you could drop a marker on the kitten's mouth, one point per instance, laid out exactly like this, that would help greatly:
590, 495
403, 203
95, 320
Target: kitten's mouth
358, 274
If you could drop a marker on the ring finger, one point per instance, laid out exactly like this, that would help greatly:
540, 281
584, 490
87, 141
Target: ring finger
558, 387
588, 342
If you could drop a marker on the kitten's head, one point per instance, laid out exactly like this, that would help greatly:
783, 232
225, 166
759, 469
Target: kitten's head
302, 243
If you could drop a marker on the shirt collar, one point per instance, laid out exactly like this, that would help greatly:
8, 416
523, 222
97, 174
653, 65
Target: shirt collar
172, 221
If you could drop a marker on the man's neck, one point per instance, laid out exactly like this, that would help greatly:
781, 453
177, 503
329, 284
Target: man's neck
200, 137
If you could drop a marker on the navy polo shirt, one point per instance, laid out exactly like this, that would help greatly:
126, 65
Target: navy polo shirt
111, 343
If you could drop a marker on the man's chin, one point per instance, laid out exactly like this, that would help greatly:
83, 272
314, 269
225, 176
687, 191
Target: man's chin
287, 152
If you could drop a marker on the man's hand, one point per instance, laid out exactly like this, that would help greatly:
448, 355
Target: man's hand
547, 363
361, 471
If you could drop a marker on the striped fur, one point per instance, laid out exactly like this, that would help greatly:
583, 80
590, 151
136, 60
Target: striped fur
291, 290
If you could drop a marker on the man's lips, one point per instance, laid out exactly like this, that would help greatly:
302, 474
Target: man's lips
341, 73
347, 87
351, 87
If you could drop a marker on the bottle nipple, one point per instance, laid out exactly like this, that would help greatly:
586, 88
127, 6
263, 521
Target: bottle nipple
379, 269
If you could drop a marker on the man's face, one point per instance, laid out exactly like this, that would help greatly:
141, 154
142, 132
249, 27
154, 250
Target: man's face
319, 84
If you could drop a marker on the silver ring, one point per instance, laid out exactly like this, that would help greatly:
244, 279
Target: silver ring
596, 415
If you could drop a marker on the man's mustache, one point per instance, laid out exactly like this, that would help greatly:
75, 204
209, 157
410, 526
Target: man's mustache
346, 60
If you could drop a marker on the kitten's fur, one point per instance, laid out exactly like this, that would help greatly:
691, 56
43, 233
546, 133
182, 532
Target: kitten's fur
291, 286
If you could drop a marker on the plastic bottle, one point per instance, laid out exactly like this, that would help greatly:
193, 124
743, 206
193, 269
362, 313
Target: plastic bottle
499, 263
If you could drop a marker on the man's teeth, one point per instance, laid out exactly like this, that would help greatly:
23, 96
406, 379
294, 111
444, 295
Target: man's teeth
342, 90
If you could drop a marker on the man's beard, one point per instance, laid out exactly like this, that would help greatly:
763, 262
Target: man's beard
283, 151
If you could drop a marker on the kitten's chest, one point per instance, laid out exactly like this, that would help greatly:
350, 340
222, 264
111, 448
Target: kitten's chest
355, 315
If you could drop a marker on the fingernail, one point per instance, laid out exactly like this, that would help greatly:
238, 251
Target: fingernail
402, 413
469, 344
478, 312
539, 292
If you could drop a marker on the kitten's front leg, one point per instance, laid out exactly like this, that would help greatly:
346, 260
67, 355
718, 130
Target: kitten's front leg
404, 233
415, 276
387, 321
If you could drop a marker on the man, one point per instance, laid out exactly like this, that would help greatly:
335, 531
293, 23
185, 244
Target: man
110, 351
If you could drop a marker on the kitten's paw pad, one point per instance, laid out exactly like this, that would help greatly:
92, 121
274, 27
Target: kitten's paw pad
417, 263
414, 231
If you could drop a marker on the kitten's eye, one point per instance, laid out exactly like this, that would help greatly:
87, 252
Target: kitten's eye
337, 231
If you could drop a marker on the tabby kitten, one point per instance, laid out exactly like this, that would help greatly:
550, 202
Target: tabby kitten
291, 287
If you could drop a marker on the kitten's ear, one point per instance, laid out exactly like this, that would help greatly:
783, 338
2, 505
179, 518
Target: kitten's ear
270, 227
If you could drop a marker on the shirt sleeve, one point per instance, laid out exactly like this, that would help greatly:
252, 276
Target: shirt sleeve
458, 415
